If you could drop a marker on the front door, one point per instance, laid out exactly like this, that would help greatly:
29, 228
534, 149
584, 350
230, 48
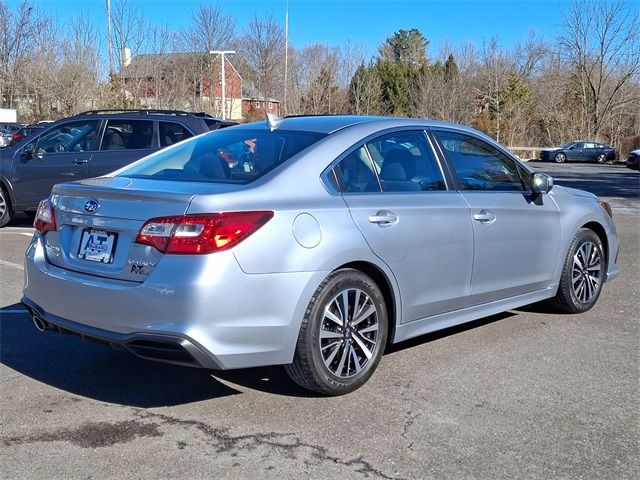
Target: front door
60, 154
517, 233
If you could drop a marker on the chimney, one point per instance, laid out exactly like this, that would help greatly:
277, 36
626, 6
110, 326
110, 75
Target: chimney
126, 57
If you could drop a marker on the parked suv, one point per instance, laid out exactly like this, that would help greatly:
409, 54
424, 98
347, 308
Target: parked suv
89, 144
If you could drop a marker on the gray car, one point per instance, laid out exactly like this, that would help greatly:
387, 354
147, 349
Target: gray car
311, 242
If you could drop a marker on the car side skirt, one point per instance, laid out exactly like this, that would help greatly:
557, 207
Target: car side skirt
457, 317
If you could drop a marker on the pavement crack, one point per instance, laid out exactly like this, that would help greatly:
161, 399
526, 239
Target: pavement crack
287, 443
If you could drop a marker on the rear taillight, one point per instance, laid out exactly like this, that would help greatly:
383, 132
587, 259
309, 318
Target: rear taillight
15, 137
45, 217
205, 233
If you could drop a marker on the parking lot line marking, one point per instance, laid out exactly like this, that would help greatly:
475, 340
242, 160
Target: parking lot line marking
11, 264
26, 234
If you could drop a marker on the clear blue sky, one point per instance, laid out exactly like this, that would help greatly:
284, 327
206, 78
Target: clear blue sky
366, 22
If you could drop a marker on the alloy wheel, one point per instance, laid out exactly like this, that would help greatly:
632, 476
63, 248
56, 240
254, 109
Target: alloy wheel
349, 333
560, 158
3, 204
602, 158
587, 272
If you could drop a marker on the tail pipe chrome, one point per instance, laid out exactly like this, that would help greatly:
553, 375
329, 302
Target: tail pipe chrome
41, 324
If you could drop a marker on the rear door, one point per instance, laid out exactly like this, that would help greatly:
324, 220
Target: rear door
123, 141
517, 234
398, 198
60, 154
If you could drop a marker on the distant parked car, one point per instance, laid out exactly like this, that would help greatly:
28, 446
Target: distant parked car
89, 144
579, 152
633, 160
24, 132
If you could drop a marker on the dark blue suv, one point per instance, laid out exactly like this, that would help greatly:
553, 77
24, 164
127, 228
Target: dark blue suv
89, 144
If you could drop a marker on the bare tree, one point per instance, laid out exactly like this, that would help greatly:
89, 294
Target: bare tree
600, 44
210, 29
262, 49
17, 29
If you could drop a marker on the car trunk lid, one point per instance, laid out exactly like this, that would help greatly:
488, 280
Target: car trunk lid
98, 221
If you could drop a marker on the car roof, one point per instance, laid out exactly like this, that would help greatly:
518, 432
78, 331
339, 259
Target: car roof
329, 124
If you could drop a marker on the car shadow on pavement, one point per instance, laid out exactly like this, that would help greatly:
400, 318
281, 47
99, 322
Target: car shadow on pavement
98, 372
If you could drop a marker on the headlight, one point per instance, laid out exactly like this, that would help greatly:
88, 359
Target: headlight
606, 207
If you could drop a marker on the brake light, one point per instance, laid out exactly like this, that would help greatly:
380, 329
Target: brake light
204, 233
45, 217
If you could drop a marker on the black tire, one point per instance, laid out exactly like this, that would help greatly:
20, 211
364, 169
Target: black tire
602, 158
6, 212
560, 157
315, 363
569, 298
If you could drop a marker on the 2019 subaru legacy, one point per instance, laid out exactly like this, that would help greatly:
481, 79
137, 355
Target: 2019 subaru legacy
311, 242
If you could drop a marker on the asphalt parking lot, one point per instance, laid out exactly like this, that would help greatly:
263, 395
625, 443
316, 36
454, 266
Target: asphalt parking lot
525, 394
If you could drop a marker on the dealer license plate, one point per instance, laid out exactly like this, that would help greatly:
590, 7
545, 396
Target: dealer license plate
97, 245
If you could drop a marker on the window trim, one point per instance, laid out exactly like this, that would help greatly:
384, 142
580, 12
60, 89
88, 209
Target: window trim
498, 147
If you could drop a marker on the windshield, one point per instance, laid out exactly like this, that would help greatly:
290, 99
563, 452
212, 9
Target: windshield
224, 156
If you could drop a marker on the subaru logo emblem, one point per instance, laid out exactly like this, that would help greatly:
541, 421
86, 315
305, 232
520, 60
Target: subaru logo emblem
91, 206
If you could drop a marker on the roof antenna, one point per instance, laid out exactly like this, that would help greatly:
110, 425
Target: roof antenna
273, 121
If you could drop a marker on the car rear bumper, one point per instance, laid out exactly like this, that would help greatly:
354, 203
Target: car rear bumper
209, 314
163, 348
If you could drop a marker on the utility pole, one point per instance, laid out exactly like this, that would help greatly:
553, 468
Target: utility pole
222, 53
286, 58
109, 38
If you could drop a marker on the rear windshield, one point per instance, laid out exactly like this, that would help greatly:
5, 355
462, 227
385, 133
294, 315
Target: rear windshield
226, 156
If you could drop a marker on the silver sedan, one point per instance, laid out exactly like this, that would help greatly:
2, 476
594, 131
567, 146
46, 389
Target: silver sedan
311, 242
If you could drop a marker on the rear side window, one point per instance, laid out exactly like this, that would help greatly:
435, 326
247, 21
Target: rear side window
171, 132
226, 156
357, 173
478, 165
128, 135
405, 162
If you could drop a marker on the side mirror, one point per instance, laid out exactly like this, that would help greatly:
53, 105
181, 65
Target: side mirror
28, 152
542, 183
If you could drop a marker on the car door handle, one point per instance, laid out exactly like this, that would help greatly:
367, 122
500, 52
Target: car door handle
80, 161
484, 216
383, 218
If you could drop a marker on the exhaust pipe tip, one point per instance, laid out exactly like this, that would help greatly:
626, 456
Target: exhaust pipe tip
40, 324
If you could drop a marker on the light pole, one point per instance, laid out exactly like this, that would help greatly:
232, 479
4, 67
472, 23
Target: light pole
222, 53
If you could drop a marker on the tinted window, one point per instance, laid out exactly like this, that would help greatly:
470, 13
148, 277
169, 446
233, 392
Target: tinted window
171, 133
357, 174
227, 156
406, 162
478, 165
69, 137
128, 135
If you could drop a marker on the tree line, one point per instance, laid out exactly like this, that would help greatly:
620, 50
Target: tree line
584, 83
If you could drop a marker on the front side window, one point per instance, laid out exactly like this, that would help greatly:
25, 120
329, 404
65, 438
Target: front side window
128, 135
478, 165
69, 137
226, 156
406, 162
